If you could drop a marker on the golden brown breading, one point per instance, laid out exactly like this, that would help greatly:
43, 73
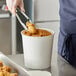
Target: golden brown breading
13, 74
0, 69
5, 73
31, 27
6, 68
1, 73
1, 64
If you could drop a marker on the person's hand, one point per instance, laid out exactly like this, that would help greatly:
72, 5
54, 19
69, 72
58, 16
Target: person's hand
13, 4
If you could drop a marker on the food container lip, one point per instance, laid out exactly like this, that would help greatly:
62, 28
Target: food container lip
39, 36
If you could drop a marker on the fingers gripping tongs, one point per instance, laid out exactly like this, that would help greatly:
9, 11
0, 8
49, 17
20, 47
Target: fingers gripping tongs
28, 19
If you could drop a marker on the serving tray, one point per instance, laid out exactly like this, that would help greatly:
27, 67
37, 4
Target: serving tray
15, 67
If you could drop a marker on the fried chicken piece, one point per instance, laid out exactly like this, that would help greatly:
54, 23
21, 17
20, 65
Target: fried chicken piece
1, 73
13, 74
28, 33
31, 27
1, 64
5, 73
6, 68
0, 69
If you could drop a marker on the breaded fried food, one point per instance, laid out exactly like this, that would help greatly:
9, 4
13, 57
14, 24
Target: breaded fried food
1, 73
6, 68
13, 74
5, 73
31, 27
1, 64
0, 69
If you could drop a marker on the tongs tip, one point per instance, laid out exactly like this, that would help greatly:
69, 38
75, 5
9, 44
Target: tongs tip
28, 19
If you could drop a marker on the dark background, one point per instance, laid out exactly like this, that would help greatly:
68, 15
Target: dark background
28, 11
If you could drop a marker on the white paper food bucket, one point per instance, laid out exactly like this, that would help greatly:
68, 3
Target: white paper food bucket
37, 50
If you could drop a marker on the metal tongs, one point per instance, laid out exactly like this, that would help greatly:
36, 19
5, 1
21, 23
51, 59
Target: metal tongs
28, 19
